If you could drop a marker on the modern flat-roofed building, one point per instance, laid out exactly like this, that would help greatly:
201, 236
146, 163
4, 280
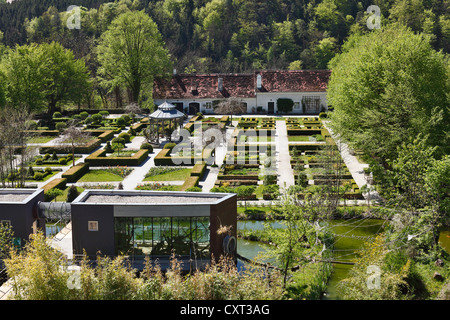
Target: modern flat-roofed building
18, 208
154, 224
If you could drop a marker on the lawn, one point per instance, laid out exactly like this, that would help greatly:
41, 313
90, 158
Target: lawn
100, 176
42, 139
300, 138
63, 196
175, 175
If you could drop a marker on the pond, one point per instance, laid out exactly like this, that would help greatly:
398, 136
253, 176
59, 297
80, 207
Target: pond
350, 236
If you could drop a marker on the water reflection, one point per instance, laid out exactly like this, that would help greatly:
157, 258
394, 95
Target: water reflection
350, 236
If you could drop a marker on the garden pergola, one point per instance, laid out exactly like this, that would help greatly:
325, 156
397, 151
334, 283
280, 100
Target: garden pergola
165, 112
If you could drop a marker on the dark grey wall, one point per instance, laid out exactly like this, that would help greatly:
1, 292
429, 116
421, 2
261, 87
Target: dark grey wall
93, 241
22, 216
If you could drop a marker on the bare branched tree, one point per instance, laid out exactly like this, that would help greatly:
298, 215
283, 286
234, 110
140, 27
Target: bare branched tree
230, 106
74, 136
13, 146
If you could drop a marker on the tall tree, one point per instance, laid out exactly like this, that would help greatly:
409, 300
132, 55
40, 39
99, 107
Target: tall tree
67, 77
387, 86
131, 53
23, 67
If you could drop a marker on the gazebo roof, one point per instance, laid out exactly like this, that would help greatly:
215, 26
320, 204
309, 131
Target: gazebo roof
166, 111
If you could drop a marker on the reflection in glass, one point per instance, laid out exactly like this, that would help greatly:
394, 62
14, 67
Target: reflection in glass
158, 236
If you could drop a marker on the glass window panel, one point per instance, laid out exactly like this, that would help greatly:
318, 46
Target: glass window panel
181, 235
162, 236
188, 236
123, 230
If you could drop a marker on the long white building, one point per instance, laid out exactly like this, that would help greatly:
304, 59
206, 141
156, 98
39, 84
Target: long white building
259, 91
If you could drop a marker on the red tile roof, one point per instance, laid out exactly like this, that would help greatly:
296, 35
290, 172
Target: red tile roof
295, 81
198, 86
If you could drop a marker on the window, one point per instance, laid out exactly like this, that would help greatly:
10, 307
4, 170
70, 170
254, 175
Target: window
208, 105
311, 104
93, 225
158, 236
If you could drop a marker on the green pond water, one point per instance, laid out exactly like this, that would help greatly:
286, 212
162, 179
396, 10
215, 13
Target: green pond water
350, 236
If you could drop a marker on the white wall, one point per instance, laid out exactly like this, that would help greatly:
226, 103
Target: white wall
262, 100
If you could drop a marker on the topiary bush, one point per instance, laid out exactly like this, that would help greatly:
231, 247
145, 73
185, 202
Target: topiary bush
60, 126
72, 194
84, 115
147, 146
38, 176
125, 136
57, 114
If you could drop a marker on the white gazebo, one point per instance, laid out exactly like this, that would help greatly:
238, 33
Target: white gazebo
165, 112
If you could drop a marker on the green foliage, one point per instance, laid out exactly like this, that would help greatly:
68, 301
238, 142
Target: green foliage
147, 146
374, 256
84, 115
60, 126
72, 194
40, 272
285, 105
6, 240
377, 113
125, 136
129, 58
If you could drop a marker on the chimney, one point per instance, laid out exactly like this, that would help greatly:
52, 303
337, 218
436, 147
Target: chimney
220, 84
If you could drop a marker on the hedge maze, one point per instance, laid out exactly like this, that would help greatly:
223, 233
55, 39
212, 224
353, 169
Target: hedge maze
249, 165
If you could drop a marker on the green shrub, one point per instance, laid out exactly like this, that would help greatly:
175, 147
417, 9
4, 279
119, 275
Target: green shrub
322, 115
169, 146
96, 118
57, 114
31, 125
72, 194
60, 126
285, 105
194, 189
38, 176
108, 147
104, 113
125, 136
270, 179
147, 146
84, 115
120, 122
62, 161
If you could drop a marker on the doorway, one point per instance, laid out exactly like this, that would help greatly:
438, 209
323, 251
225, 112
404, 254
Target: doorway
194, 108
271, 107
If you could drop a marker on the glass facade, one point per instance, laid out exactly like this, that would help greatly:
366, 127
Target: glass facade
158, 236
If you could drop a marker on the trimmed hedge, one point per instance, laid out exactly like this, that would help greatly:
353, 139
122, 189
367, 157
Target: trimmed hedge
86, 148
98, 158
199, 169
163, 158
76, 172
59, 183
303, 132
137, 127
103, 135
50, 133
190, 182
